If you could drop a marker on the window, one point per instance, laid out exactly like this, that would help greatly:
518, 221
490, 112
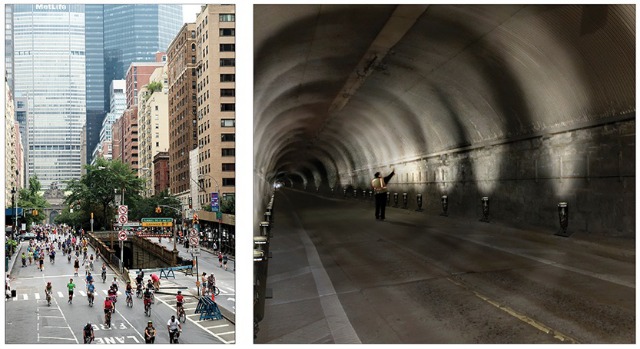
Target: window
227, 62
193, 59
227, 17
228, 123
228, 152
227, 32
193, 33
227, 77
227, 92
193, 47
227, 47
228, 182
228, 107
228, 137
228, 167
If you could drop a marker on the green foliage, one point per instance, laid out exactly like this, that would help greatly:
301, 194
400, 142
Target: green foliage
144, 207
155, 86
228, 205
30, 199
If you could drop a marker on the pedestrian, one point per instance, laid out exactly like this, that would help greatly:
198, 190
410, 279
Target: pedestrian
225, 259
76, 266
220, 259
30, 257
379, 186
24, 259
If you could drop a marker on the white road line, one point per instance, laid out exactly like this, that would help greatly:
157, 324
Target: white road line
224, 333
64, 339
51, 316
83, 293
25, 297
37, 295
218, 326
105, 292
197, 324
60, 294
130, 325
65, 321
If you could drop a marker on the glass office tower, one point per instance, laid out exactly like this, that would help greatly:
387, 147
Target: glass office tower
127, 33
49, 73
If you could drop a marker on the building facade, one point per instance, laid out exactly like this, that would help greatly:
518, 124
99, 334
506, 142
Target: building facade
49, 73
117, 106
117, 35
153, 125
181, 62
11, 173
215, 71
161, 172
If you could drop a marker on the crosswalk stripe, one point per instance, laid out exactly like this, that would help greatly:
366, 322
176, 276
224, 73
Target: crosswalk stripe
37, 295
60, 294
83, 293
25, 297
105, 292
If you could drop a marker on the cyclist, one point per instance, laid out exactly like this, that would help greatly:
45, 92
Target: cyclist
147, 298
140, 277
76, 266
24, 259
87, 332
89, 278
114, 283
71, 286
149, 333
179, 303
129, 292
90, 290
104, 272
91, 262
108, 309
52, 256
48, 290
204, 282
113, 294
174, 328
139, 289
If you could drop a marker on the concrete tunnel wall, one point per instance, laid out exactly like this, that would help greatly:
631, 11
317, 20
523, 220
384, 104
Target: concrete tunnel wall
527, 104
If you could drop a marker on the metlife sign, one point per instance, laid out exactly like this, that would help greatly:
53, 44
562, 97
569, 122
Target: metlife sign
50, 7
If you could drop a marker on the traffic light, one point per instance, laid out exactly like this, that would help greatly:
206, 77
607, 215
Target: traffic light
195, 218
190, 203
158, 209
35, 212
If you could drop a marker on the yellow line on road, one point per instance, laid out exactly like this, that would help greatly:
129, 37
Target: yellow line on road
539, 326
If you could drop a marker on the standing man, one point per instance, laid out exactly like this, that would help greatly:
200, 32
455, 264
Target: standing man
379, 186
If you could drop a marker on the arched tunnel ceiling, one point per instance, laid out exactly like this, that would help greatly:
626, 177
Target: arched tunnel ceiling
346, 87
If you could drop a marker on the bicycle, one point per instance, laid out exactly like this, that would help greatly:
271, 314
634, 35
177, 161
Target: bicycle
173, 336
90, 298
88, 339
107, 318
129, 300
48, 298
147, 309
104, 277
216, 290
182, 316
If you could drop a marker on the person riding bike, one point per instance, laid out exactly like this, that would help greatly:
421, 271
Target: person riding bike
211, 282
87, 333
140, 277
174, 328
89, 278
139, 289
48, 290
114, 283
149, 333
179, 302
90, 292
108, 308
103, 274
129, 291
113, 294
147, 297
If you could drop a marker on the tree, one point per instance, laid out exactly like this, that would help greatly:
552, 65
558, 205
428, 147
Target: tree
31, 200
96, 190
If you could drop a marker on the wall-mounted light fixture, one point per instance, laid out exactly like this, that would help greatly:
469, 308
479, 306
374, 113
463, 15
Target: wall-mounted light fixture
445, 205
405, 200
388, 198
355, 193
395, 199
563, 215
485, 209
419, 202
344, 192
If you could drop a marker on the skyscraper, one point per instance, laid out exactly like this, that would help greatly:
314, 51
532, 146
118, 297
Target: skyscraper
49, 73
118, 35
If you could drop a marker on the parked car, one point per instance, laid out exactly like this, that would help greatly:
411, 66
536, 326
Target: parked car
26, 236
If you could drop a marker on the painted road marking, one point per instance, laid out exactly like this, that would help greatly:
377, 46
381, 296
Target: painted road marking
37, 295
83, 293
25, 297
536, 324
218, 326
60, 294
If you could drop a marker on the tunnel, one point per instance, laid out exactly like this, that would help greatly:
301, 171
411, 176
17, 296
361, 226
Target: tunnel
529, 106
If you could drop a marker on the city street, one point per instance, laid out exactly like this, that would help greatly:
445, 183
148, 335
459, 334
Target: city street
30, 320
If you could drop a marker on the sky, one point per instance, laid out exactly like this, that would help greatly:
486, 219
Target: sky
189, 13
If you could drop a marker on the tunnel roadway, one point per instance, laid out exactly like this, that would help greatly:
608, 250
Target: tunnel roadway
340, 276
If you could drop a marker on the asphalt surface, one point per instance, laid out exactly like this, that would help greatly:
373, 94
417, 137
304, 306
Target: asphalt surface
340, 276
30, 320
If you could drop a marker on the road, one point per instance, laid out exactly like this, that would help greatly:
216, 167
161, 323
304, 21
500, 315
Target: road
30, 320
340, 276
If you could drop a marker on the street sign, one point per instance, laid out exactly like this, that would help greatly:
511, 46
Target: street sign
122, 219
122, 235
156, 222
123, 209
195, 251
193, 241
193, 233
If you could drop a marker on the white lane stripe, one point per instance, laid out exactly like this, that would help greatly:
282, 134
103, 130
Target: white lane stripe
37, 295
64, 339
218, 326
105, 292
83, 293
60, 294
224, 333
25, 297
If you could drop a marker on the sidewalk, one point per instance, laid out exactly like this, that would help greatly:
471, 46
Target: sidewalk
207, 262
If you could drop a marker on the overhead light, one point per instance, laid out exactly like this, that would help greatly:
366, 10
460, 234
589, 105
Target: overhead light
563, 215
485, 209
419, 202
445, 205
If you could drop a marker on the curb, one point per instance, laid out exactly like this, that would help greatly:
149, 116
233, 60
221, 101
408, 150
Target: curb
228, 315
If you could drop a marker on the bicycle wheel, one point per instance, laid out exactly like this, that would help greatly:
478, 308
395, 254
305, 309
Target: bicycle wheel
216, 291
182, 317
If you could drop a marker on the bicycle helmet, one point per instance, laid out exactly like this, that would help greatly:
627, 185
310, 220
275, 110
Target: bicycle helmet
150, 322
179, 292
